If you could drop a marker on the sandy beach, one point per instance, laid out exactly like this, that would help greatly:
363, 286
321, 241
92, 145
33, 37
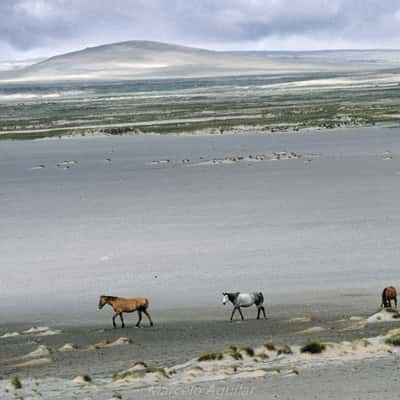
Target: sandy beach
51, 362
310, 218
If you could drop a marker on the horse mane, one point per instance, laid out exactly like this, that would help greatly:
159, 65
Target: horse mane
112, 298
232, 295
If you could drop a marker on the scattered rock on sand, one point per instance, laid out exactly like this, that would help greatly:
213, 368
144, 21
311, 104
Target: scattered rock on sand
387, 155
67, 163
158, 162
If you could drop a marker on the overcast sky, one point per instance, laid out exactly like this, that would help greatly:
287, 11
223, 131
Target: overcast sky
33, 28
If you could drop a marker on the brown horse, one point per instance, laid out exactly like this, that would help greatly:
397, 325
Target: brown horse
389, 294
121, 305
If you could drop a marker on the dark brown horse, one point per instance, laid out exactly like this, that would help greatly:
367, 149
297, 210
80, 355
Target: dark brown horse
121, 305
389, 294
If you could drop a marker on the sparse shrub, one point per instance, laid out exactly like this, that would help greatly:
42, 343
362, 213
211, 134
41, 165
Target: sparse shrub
117, 395
16, 383
270, 346
142, 363
313, 348
263, 356
393, 341
211, 357
234, 353
285, 350
160, 371
248, 351
86, 378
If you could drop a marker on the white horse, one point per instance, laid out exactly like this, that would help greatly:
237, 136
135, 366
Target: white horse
244, 300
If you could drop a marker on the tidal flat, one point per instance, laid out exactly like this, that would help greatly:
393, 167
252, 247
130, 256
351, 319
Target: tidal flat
310, 218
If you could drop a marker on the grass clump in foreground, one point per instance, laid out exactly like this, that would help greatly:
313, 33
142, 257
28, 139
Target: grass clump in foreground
248, 351
234, 353
86, 378
285, 349
16, 383
393, 341
270, 346
211, 357
313, 348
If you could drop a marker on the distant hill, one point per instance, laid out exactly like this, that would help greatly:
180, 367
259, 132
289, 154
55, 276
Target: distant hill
145, 59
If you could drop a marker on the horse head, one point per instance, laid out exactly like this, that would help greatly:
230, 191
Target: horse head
102, 301
228, 296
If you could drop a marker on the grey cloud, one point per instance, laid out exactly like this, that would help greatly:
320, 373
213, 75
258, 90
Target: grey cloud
54, 24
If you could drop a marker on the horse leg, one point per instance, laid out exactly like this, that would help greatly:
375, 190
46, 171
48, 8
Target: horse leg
122, 320
140, 318
113, 319
240, 312
258, 312
395, 301
233, 312
148, 316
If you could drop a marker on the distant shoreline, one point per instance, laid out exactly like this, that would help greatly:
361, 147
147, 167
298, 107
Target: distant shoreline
90, 132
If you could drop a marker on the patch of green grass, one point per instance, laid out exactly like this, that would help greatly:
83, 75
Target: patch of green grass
393, 341
142, 363
249, 351
295, 371
211, 357
234, 353
155, 370
270, 346
86, 378
16, 383
313, 348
